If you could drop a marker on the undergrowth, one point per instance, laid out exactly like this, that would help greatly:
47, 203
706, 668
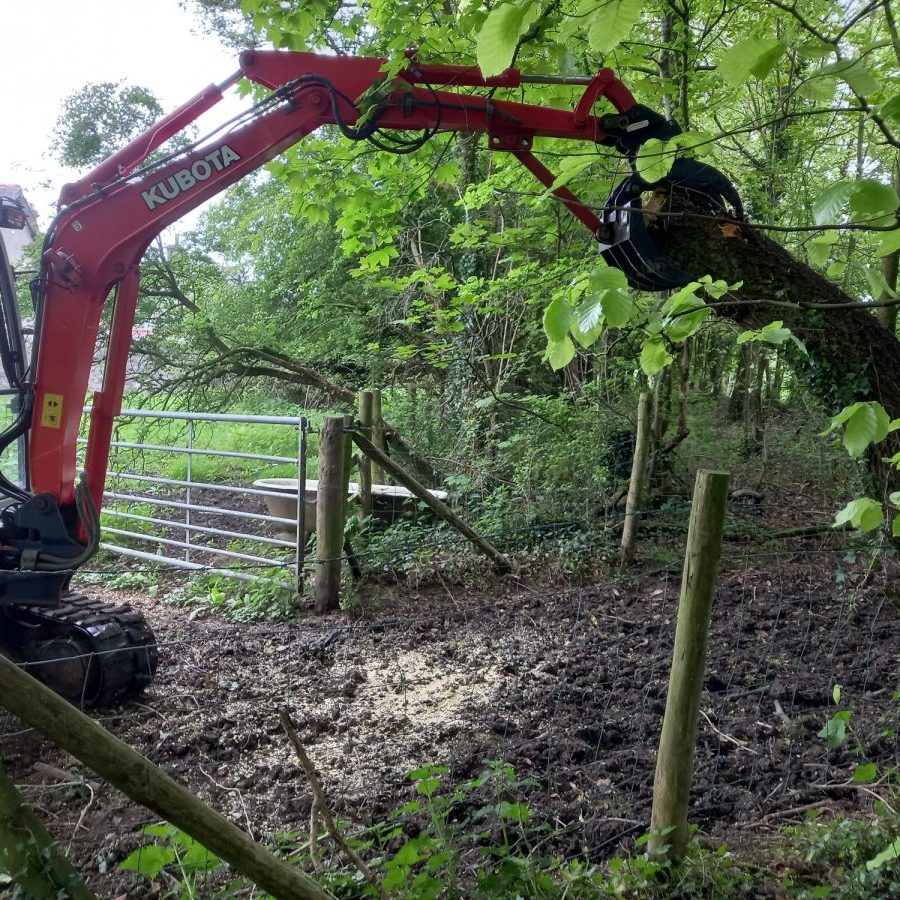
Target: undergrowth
476, 840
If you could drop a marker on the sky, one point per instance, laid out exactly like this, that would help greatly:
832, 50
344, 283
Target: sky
53, 47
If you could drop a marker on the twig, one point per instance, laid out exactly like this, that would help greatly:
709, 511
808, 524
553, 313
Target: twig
727, 737
62, 775
854, 786
314, 856
793, 811
232, 790
84, 812
319, 801
779, 711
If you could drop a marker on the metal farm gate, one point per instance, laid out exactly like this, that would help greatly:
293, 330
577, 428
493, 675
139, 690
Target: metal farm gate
217, 527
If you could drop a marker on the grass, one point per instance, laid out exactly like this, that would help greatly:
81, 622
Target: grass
239, 437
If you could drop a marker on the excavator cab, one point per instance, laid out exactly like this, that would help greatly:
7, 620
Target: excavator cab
11, 214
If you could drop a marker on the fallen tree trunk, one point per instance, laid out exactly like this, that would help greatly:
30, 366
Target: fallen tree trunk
851, 355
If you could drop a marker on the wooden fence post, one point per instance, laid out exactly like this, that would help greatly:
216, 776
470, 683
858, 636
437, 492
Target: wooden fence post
148, 785
366, 421
379, 476
28, 855
331, 499
636, 485
675, 760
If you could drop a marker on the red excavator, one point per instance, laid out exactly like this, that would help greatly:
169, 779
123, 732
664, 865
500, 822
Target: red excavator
94, 653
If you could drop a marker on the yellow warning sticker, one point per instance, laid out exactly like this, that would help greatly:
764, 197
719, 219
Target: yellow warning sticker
51, 413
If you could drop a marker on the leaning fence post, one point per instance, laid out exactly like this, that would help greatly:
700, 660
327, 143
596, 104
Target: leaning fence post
674, 762
636, 485
330, 501
366, 421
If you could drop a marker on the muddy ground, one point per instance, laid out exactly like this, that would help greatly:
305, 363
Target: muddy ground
567, 684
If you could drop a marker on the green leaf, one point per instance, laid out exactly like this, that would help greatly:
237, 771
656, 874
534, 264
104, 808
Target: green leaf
870, 197
558, 318
854, 72
863, 513
654, 161
865, 772
891, 852
836, 694
697, 143
830, 202
719, 287
895, 527
818, 87
836, 270
149, 861
618, 307
589, 315
773, 333
608, 277
819, 248
568, 169
681, 323
835, 732
560, 353
815, 49
864, 423
877, 283
408, 854
684, 326
890, 242
447, 173
654, 356
610, 24
500, 35
752, 57
517, 812
890, 109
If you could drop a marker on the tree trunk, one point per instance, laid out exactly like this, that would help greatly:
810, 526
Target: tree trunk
887, 315
851, 356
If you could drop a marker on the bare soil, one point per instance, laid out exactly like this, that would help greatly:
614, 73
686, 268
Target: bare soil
565, 683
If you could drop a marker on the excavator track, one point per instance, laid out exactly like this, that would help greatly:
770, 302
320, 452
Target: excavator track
90, 652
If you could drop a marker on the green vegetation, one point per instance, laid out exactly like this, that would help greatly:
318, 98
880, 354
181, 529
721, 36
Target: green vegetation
475, 839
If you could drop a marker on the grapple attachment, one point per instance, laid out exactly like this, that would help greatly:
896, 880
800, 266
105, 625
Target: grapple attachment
631, 247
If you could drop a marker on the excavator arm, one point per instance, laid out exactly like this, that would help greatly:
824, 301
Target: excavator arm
110, 217
107, 219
